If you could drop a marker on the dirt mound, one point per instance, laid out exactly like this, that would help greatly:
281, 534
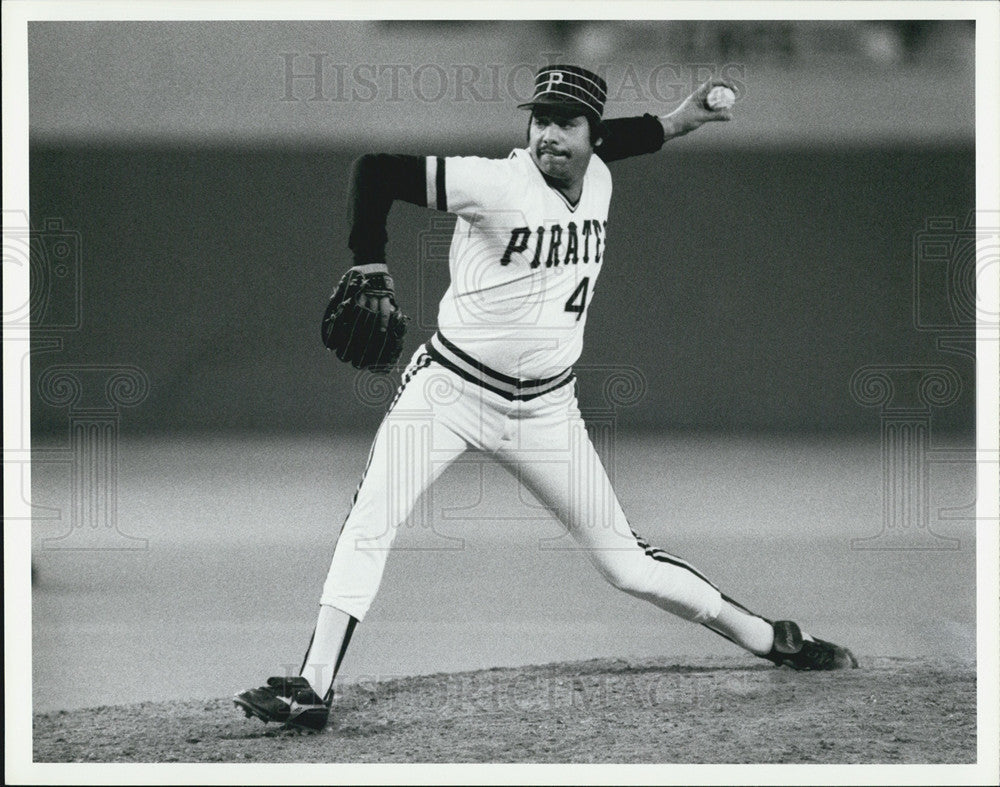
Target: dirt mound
601, 711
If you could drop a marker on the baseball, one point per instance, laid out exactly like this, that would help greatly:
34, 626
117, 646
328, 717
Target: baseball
720, 97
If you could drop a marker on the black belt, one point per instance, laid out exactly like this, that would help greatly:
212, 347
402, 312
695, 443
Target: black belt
468, 368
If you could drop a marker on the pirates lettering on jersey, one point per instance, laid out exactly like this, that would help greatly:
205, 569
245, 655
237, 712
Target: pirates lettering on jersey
556, 245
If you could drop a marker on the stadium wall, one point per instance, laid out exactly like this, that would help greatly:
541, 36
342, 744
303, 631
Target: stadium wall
742, 288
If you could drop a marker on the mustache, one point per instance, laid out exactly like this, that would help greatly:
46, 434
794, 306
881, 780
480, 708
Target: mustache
549, 148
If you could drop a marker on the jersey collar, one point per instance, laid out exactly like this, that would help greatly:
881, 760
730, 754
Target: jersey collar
525, 153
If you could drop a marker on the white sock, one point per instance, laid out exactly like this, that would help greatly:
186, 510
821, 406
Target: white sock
328, 639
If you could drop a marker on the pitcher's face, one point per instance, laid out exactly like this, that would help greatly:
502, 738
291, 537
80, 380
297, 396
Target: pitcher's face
560, 145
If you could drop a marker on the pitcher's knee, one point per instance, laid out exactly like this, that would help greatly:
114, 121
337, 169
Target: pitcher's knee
625, 576
672, 588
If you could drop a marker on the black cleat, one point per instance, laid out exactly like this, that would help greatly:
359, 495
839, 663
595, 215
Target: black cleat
791, 650
287, 701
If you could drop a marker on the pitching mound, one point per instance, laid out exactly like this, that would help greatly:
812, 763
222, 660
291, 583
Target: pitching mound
712, 711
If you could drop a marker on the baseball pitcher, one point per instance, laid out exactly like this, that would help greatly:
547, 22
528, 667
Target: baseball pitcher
530, 241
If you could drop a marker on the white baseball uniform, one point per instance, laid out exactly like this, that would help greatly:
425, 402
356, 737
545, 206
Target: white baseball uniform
497, 377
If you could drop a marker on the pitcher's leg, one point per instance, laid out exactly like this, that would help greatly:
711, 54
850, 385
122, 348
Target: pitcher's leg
410, 451
413, 446
559, 465
658, 576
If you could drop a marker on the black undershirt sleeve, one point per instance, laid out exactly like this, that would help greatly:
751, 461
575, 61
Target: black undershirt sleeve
377, 179
624, 137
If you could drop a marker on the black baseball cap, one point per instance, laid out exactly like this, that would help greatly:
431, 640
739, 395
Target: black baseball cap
569, 88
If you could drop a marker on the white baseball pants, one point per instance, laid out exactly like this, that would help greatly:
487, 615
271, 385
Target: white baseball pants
445, 407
